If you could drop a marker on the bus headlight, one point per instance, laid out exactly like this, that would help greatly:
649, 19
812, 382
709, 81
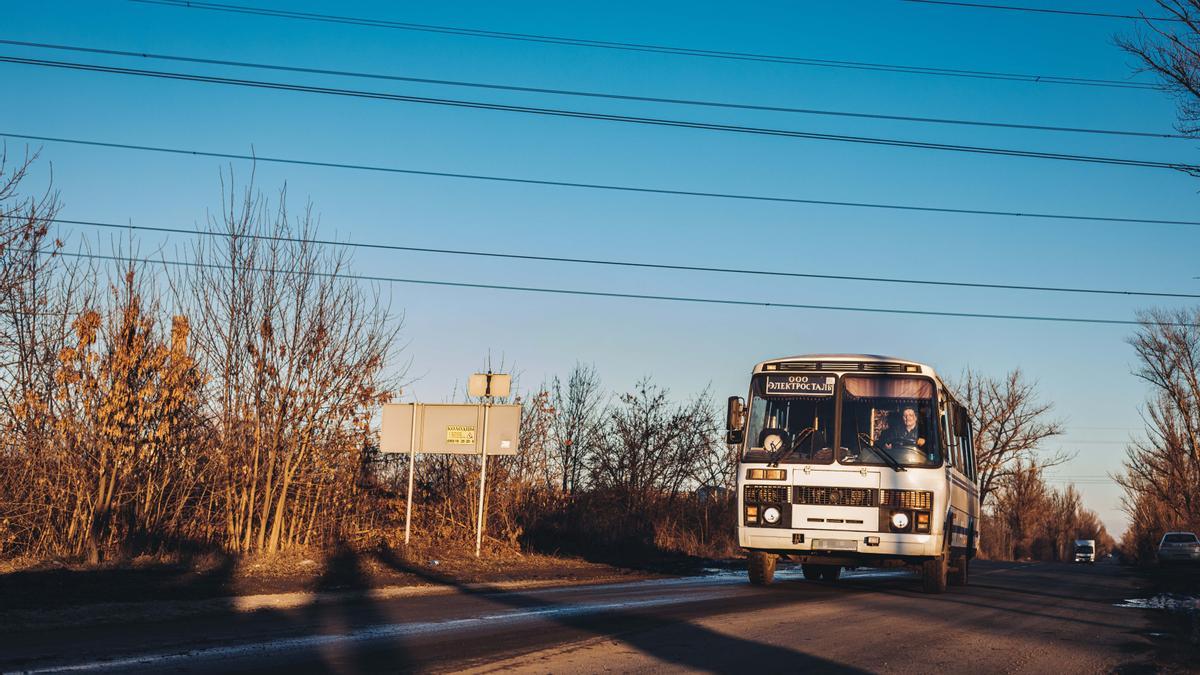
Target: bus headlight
770, 515
900, 520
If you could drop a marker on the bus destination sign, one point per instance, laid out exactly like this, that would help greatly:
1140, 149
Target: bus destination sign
800, 385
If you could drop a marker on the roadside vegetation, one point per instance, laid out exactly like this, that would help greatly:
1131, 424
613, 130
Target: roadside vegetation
143, 408
1024, 517
229, 404
1162, 473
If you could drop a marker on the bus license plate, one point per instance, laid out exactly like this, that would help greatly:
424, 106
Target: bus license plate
835, 544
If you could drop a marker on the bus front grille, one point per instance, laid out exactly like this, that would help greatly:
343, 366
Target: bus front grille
766, 494
835, 496
908, 499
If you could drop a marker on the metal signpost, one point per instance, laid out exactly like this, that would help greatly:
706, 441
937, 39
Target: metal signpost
449, 428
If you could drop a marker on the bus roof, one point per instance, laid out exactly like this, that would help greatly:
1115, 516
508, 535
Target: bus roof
832, 362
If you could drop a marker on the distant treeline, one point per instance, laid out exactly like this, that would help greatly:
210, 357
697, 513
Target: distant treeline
1028, 519
1162, 472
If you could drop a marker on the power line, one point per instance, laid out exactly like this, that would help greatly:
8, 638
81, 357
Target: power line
621, 263
598, 186
594, 95
651, 48
1042, 10
606, 117
627, 296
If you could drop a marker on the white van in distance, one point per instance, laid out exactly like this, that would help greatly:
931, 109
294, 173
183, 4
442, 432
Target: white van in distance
1085, 551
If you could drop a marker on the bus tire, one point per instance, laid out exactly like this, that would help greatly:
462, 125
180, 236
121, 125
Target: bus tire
933, 575
762, 568
832, 572
959, 576
811, 572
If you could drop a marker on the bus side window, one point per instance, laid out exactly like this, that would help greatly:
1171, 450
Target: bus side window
962, 429
962, 453
952, 456
971, 444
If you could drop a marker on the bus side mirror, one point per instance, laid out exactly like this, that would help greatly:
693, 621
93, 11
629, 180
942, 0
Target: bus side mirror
735, 419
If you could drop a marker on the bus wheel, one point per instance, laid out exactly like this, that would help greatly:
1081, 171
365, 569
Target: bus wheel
832, 572
958, 575
811, 572
933, 575
762, 568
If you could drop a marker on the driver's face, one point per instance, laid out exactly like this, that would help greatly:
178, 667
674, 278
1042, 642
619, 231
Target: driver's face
910, 418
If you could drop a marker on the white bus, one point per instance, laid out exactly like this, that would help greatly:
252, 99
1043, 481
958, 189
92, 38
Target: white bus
850, 460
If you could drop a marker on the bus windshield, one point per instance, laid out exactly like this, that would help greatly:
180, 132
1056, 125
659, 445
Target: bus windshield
791, 419
892, 415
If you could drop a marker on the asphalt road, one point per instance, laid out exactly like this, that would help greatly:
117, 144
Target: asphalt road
1037, 618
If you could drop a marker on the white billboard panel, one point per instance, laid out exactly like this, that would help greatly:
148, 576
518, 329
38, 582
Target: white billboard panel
450, 428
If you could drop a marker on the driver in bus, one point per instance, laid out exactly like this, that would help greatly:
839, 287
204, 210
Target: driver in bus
906, 435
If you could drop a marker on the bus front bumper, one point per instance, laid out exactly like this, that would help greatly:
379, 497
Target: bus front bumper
837, 542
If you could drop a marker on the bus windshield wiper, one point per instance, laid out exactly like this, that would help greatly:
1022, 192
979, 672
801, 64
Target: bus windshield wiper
881, 453
791, 447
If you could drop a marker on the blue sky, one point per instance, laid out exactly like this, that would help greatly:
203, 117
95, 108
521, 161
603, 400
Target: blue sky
1084, 369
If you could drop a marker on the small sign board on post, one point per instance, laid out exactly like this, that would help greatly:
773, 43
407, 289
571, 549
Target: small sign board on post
495, 385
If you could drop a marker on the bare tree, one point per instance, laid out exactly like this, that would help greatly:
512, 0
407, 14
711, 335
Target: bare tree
24, 225
1062, 519
1011, 423
40, 295
37, 298
650, 448
296, 356
1171, 50
1020, 504
1162, 474
535, 463
578, 409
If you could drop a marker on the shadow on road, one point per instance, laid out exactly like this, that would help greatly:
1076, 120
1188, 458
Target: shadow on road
1002, 599
344, 574
201, 571
669, 639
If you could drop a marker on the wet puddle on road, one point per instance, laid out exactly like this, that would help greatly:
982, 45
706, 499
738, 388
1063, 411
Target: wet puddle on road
1169, 601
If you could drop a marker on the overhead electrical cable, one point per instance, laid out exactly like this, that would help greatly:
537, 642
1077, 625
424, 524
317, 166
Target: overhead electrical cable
606, 117
627, 296
659, 49
592, 94
1042, 10
622, 263
596, 186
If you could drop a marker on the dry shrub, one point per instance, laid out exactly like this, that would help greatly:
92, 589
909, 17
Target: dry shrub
239, 421
239, 418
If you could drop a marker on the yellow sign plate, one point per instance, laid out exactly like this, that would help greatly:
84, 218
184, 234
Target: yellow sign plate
460, 434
